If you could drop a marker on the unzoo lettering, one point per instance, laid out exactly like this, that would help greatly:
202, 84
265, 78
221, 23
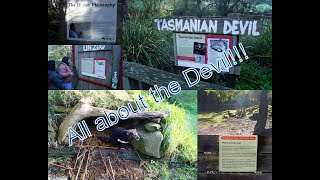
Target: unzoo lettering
93, 47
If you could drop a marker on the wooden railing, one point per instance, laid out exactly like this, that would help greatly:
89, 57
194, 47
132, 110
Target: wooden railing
137, 76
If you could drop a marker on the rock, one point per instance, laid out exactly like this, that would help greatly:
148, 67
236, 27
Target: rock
156, 120
232, 113
149, 143
226, 116
151, 126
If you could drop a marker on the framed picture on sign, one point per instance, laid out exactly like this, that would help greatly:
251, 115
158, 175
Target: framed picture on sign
216, 45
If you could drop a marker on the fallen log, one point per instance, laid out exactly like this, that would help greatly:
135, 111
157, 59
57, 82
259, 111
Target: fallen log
63, 152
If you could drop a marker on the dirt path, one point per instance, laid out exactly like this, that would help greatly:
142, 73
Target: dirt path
232, 126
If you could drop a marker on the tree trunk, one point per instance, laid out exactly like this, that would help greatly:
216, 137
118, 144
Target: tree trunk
62, 32
263, 113
198, 8
125, 11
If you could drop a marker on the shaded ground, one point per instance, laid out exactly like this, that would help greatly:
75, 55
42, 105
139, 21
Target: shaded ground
215, 123
125, 163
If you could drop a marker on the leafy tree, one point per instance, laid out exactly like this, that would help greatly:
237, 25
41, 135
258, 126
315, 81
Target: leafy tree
56, 52
225, 95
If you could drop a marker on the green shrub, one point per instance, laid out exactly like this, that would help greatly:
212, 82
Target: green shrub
254, 76
144, 44
263, 8
53, 18
259, 45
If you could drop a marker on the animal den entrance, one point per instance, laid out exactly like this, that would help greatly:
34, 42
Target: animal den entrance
84, 115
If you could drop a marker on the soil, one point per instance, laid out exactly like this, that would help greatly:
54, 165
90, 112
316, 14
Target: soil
96, 169
233, 126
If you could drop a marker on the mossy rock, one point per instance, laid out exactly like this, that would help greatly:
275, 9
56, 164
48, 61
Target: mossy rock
151, 126
156, 120
149, 143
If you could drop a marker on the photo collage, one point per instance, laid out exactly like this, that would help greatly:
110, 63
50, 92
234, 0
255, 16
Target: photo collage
169, 89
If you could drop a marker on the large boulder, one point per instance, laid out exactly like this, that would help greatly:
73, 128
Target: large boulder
149, 143
151, 126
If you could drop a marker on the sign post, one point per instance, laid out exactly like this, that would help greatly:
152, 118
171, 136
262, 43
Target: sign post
203, 41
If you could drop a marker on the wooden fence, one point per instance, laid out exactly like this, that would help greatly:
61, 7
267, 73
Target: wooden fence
137, 76
208, 160
112, 55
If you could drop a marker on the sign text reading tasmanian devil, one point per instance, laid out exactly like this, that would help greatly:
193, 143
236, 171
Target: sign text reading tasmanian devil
209, 25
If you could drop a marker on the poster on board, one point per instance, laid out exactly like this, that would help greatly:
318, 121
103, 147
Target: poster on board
198, 50
100, 68
92, 21
217, 45
190, 50
87, 66
238, 153
94, 67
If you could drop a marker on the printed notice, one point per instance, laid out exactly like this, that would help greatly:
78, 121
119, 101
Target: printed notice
87, 66
238, 153
94, 67
100, 68
191, 49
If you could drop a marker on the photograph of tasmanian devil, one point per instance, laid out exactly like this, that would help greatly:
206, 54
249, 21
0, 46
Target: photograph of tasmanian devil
120, 136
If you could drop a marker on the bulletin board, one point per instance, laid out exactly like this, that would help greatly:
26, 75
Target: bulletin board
96, 65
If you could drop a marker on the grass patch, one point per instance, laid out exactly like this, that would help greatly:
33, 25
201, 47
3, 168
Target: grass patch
185, 172
163, 171
159, 168
211, 118
145, 45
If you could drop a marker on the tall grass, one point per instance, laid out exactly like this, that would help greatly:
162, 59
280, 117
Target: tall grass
162, 170
259, 45
254, 76
144, 44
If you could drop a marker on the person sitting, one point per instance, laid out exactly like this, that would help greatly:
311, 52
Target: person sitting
54, 79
